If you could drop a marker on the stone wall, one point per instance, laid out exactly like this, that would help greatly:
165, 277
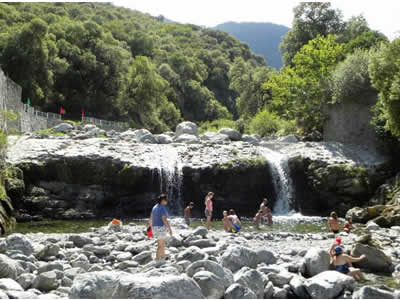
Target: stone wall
348, 123
10, 98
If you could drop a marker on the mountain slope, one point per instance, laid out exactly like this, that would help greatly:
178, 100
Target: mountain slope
263, 38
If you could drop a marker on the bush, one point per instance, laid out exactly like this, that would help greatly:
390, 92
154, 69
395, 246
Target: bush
216, 125
350, 80
266, 123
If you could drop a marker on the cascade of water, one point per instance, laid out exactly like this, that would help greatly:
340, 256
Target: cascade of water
167, 168
281, 180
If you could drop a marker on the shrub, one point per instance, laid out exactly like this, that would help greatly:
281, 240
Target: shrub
216, 125
266, 123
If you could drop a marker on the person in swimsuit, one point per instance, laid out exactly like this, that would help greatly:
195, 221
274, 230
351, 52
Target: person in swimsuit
342, 263
234, 221
333, 223
348, 226
226, 221
209, 208
263, 213
187, 212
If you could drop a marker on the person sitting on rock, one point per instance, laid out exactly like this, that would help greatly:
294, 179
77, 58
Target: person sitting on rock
188, 212
263, 214
225, 220
342, 263
348, 225
234, 221
115, 225
333, 223
338, 242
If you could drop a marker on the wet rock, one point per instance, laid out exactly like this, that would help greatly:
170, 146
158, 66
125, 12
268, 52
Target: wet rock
8, 267
20, 243
9, 284
251, 279
376, 259
191, 254
46, 281
213, 267
328, 284
211, 285
238, 291
186, 128
370, 292
231, 133
315, 261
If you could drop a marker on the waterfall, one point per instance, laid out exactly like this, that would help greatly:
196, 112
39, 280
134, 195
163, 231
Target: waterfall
281, 180
166, 166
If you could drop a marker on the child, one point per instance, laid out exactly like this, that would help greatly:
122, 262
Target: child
348, 226
333, 223
235, 221
188, 212
226, 221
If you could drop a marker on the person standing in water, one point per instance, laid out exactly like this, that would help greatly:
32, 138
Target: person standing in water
333, 223
188, 212
209, 208
263, 214
160, 225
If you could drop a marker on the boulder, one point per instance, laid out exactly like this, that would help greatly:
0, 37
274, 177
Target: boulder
268, 290
251, 139
288, 139
140, 286
143, 257
8, 267
280, 279
372, 226
202, 243
298, 288
144, 136
124, 256
186, 128
370, 292
328, 284
359, 215
214, 138
163, 139
26, 280
280, 293
51, 267
187, 139
213, 267
63, 127
89, 127
20, 243
251, 279
191, 254
266, 256
315, 261
46, 281
211, 285
80, 240
47, 251
237, 257
376, 260
238, 291
200, 230
9, 284
231, 133
95, 285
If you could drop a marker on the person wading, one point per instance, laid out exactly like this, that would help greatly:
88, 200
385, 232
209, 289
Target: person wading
209, 208
160, 225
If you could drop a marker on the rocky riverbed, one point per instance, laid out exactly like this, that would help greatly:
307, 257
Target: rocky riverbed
105, 263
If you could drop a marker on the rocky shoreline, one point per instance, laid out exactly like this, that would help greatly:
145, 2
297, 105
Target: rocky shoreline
105, 263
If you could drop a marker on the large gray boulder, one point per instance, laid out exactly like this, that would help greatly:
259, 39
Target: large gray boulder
376, 259
187, 139
213, 267
233, 135
251, 139
8, 267
359, 214
214, 138
143, 257
266, 256
315, 261
186, 128
370, 292
46, 281
9, 284
163, 139
47, 250
20, 243
140, 286
297, 286
200, 230
63, 127
80, 240
191, 254
238, 291
252, 279
144, 136
328, 284
211, 285
237, 257
95, 285
280, 279
26, 280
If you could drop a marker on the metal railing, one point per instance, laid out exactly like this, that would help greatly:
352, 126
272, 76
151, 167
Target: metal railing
105, 123
40, 114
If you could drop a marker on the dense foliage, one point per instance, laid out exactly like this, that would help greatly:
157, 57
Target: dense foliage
262, 38
118, 63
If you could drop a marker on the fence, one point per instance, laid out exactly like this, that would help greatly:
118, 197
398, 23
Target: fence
106, 124
45, 115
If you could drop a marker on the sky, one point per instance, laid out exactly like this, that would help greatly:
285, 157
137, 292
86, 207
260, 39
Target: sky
381, 15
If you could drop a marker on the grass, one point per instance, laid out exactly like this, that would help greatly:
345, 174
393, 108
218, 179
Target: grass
50, 131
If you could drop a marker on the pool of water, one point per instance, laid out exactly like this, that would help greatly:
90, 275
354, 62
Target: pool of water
287, 224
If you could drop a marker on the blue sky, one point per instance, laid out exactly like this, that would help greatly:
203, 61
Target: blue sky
381, 15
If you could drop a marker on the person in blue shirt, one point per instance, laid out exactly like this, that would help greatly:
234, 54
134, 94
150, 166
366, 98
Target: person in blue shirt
160, 225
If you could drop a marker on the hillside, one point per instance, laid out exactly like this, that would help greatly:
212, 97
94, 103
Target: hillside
263, 38
116, 63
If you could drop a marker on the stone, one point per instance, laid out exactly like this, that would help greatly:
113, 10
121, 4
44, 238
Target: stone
51, 267
174, 241
95, 285
288, 139
280, 279
370, 292
328, 284
80, 240
359, 215
26, 280
372, 226
46, 281
8, 267
376, 260
316, 261
280, 293
191, 254
252, 279
266, 256
214, 138
237, 257
22, 295
20, 243
187, 139
137, 248
3, 295
213, 267
144, 136
9, 284
140, 286
163, 139
81, 261
202, 243
211, 285
298, 288
238, 291
268, 290
63, 127
124, 256
186, 128
233, 135
200, 230
47, 251
251, 139
73, 272
144, 257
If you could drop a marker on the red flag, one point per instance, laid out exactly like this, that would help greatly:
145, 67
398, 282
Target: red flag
62, 111
83, 112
